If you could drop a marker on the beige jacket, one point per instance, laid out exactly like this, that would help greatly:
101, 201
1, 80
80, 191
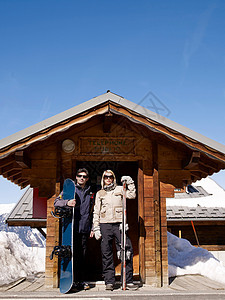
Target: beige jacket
108, 204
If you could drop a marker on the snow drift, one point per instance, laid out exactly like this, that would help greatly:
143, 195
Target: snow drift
17, 260
183, 258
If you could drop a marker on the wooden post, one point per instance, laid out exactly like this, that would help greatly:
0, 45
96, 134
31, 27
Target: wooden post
157, 216
141, 222
164, 245
52, 239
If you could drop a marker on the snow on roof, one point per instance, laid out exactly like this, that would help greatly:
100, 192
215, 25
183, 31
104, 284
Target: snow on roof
215, 196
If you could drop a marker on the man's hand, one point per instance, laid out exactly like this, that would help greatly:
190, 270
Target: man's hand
91, 234
71, 202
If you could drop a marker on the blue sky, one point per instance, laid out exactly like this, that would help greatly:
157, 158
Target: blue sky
57, 54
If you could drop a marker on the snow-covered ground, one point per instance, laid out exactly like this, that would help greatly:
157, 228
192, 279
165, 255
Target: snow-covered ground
17, 260
183, 258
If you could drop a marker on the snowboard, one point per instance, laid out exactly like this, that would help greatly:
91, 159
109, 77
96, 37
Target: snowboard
66, 270
65, 250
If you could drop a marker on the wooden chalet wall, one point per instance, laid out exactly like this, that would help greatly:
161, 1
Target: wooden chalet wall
210, 234
152, 191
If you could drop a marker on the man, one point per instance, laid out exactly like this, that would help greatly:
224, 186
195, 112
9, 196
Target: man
82, 224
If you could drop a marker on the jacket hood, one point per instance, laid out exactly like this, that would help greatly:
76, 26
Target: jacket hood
108, 171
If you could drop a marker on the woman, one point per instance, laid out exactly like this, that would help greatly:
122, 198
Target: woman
107, 219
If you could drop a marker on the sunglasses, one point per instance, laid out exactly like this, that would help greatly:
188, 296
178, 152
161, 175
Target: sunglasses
84, 176
106, 177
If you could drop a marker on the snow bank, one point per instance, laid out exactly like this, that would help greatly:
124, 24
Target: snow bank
183, 258
17, 260
6, 208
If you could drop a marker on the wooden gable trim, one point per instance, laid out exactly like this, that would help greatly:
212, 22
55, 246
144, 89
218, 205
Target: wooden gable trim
44, 134
110, 107
157, 127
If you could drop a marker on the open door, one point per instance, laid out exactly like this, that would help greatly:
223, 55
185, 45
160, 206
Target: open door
96, 169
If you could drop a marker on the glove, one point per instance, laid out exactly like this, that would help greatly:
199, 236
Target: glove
128, 179
97, 233
126, 227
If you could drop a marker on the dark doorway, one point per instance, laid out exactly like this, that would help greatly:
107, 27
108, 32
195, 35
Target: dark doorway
96, 169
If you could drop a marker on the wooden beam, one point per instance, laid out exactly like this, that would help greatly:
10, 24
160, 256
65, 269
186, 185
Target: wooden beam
8, 168
13, 173
209, 163
203, 169
157, 215
20, 181
197, 174
193, 162
24, 184
141, 217
16, 177
174, 176
22, 159
6, 161
107, 122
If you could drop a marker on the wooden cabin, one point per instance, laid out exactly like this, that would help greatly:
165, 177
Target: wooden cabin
110, 132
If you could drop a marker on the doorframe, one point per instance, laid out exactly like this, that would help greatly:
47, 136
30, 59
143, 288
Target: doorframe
140, 182
140, 199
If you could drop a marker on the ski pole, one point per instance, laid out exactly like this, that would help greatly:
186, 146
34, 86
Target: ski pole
124, 237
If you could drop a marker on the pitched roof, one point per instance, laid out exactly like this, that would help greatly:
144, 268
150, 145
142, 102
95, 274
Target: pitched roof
22, 213
118, 100
192, 192
198, 213
205, 192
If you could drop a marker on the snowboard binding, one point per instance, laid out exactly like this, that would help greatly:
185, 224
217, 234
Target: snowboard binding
62, 212
61, 251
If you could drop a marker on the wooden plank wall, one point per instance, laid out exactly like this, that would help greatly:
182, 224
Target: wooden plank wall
150, 256
210, 236
156, 259
43, 171
52, 239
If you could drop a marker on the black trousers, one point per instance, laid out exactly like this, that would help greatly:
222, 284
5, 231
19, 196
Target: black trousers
110, 231
79, 255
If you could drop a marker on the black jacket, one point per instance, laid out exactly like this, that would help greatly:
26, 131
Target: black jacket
82, 211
